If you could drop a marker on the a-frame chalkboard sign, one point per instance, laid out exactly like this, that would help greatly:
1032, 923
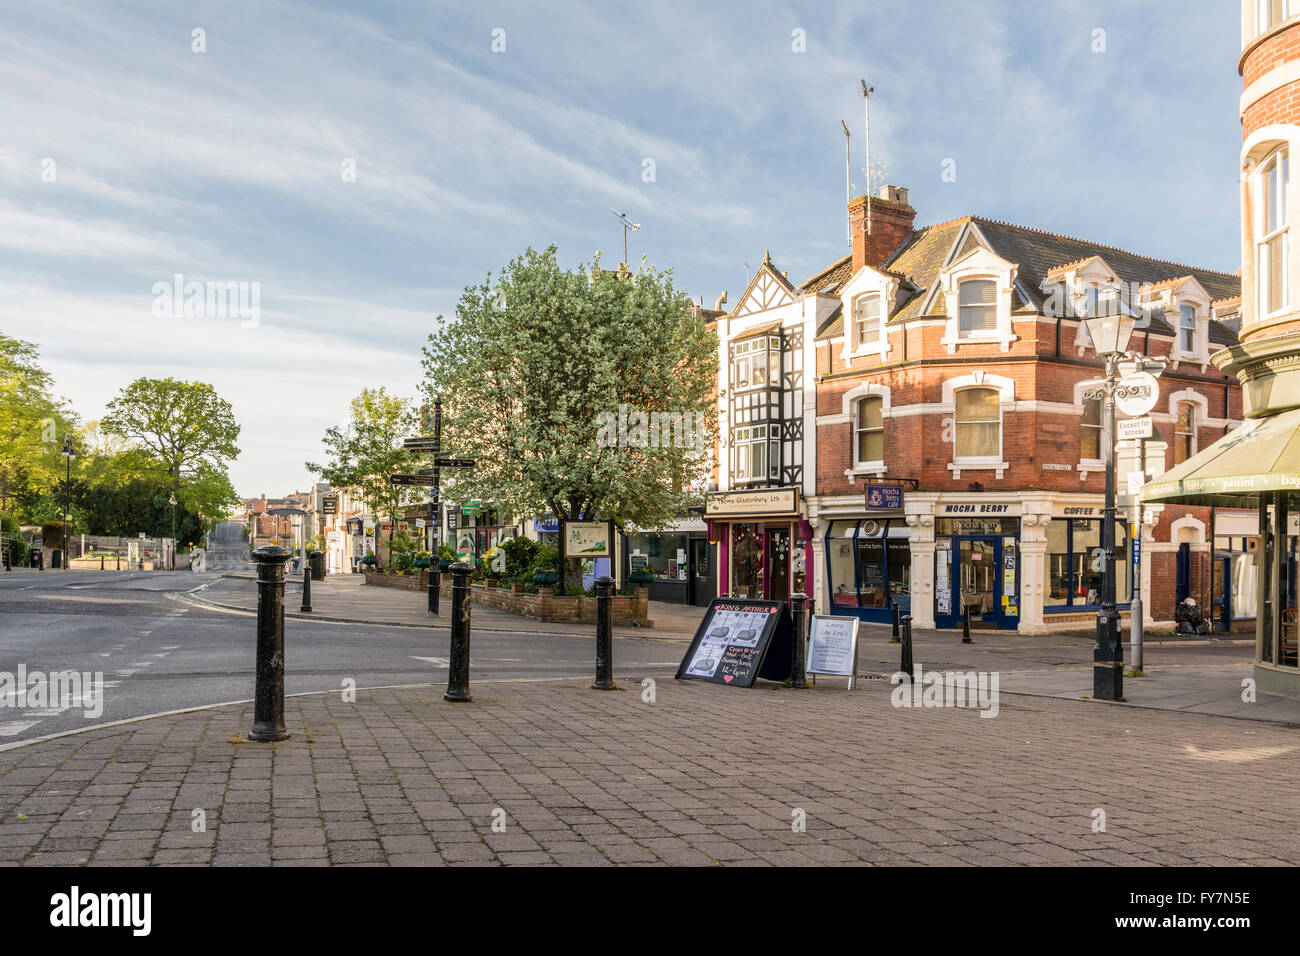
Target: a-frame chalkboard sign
739, 641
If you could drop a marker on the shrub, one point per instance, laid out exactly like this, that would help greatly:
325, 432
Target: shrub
520, 553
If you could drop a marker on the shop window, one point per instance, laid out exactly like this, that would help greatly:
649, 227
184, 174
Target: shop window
747, 561
662, 554
868, 431
866, 321
979, 423
1271, 249
1074, 564
1090, 430
756, 363
977, 307
867, 567
840, 564
1185, 432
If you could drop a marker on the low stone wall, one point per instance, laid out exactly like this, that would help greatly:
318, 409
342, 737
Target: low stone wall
545, 605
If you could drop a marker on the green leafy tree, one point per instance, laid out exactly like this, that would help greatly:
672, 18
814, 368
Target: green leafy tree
538, 368
188, 429
33, 425
365, 451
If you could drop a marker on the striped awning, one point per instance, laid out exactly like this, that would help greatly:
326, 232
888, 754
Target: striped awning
1263, 455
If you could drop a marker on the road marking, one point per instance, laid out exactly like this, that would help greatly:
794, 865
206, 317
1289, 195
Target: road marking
125, 673
141, 663
16, 727
170, 647
46, 711
436, 661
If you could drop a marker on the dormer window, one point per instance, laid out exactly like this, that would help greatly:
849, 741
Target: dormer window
1271, 251
1187, 329
977, 305
757, 363
866, 320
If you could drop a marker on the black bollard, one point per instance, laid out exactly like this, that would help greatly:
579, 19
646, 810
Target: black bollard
965, 624
604, 634
268, 704
905, 664
435, 583
458, 666
893, 638
798, 640
306, 586
101, 562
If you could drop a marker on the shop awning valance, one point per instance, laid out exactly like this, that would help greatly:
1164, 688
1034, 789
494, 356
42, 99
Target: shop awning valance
1262, 455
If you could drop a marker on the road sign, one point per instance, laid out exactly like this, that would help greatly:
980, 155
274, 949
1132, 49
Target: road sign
426, 445
1133, 428
453, 463
424, 481
1136, 394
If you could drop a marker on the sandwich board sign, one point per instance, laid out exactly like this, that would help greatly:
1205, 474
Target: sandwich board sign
833, 646
739, 641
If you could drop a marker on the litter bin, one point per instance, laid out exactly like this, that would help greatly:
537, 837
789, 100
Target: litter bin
317, 565
56, 559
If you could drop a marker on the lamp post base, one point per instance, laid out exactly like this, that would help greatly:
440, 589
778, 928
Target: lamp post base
1108, 658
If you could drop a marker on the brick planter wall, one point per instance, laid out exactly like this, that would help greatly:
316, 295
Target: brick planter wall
405, 582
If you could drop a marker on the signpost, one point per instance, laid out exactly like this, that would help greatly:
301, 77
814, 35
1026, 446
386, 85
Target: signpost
833, 646
739, 641
432, 478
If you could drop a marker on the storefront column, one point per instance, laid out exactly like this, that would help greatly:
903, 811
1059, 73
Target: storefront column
921, 527
1033, 568
1150, 518
821, 594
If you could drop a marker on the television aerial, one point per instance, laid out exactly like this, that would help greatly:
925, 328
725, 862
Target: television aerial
627, 224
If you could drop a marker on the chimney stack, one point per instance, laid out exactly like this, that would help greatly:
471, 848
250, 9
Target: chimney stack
891, 224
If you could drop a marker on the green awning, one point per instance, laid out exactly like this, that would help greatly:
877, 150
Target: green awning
1263, 454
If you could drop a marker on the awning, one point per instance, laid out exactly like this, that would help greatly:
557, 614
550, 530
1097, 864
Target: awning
1263, 454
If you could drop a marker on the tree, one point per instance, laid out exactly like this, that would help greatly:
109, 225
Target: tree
583, 393
33, 426
363, 453
188, 429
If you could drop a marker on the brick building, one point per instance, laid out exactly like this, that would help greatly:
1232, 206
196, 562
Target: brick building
1259, 465
949, 362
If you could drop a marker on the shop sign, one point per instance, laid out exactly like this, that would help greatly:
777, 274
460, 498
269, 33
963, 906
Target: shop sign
959, 508
766, 501
587, 539
833, 646
885, 497
1077, 511
739, 641
549, 524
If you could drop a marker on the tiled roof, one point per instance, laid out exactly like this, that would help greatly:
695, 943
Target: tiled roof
830, 279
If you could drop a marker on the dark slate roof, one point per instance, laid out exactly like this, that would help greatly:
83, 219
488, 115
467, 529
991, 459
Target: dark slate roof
832, 325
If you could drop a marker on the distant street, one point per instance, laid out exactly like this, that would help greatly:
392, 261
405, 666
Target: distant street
158, 654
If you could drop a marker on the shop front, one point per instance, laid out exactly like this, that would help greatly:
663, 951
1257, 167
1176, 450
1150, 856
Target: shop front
674, 565
977, 563
764, 544
869, 568
1074, 560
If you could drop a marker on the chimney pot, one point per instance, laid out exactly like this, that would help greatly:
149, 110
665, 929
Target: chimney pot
891, 225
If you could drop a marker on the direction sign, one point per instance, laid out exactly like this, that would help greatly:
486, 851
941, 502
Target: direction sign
424, 481
1133, 428
453, 462
1136, 394
427, 445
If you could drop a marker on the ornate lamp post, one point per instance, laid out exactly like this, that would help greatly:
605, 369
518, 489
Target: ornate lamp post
67, 453
1110, 334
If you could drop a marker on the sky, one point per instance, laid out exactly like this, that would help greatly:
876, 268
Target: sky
356, 165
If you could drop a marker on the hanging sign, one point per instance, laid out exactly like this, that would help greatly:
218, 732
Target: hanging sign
739, 641
833, 646
885, 497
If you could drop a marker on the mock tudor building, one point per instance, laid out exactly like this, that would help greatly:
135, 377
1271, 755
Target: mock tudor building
908, 428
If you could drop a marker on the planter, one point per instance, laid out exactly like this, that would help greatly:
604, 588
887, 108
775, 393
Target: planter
445, 563
642, 577
546, 578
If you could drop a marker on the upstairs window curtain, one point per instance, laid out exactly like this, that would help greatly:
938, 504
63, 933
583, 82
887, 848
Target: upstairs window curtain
869, 430
866, 320
979, 423
977, 302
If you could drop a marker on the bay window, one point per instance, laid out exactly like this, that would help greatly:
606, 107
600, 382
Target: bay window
1272, 12
751, 453
756, 363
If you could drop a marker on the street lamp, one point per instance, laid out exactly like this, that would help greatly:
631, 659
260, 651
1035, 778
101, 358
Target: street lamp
1110, 330
171, 500
67, 453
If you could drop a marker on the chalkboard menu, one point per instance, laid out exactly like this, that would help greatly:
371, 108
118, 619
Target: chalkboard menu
739, 641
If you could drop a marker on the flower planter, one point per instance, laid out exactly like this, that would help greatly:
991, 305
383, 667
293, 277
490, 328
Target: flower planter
546, 578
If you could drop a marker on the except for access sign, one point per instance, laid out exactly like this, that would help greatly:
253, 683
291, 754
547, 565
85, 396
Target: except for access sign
1131, 428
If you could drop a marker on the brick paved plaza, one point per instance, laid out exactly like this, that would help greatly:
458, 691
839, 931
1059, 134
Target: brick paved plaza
703, 775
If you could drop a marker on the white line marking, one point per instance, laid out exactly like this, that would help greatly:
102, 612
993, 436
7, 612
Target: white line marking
436, 661
14, 728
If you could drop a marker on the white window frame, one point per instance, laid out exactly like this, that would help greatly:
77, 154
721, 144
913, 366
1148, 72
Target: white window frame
1006, 389
980, 264
745, 439
860, 344
1186, 311
744, 354
1194, 424
1262, 18
1100, 428
1281, 233
975, 335
862, 464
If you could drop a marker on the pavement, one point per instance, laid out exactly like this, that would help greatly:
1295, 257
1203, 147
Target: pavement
678, 773
345, 598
